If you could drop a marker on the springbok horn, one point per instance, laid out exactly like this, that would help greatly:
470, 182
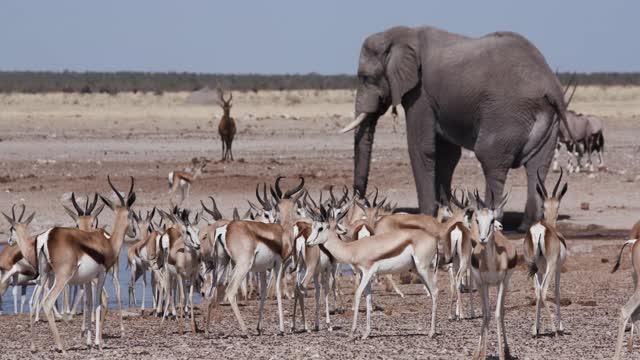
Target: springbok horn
354, 123
93, 204
258, 195
345, 191
544, 189
216, 213
131, 188
116, 191
267, 203
333, 198
75, 204
375, 198
555, 188
289, 193
278, 190
22, 212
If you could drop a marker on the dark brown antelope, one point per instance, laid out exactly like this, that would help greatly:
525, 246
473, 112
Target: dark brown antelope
227, 127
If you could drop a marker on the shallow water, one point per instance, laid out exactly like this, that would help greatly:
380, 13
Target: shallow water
124, 277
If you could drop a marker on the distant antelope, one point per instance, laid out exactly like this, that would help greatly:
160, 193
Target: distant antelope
183, 180
226, 127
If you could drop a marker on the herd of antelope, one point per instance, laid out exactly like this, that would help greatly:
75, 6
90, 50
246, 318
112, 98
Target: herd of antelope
200, 250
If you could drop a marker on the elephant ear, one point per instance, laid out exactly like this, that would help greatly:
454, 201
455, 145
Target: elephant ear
403, 68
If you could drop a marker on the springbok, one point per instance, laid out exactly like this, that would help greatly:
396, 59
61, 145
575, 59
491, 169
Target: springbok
74, 256
15, 271
258, 247
183, 262
87, 220
362, 217
137, 256
313, 263
183, 179
457, 247
546, 250
630, 310
402, 250
493, 260
213, 257
226, 127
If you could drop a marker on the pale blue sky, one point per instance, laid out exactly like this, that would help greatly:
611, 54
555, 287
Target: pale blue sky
295, 36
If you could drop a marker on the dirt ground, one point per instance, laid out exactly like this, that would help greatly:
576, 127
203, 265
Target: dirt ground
57, 143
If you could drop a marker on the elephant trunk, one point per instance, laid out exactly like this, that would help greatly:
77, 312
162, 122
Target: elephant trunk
362, 152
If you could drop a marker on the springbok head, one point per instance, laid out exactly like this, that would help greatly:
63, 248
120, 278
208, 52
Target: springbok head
285, 203
225, 104
551, 204
18, 225
486, 216
122, 210
87, 218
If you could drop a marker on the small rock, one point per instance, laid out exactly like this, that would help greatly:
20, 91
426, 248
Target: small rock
604, 260
588, 303
584, 206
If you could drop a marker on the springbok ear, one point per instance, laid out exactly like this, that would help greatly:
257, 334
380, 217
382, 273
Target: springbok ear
8, 219
71, 213
30, 218
403, 68
107, 202
564, 190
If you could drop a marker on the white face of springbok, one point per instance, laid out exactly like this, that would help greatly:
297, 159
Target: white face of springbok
485, 221
192, 238
486, 217
190, 231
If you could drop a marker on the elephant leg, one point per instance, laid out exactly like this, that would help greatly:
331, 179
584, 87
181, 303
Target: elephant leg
421, 139
447, 157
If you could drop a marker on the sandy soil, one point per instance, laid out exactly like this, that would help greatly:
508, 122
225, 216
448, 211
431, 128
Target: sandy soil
53, 144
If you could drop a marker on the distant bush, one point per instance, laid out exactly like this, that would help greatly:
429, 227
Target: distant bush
159, 83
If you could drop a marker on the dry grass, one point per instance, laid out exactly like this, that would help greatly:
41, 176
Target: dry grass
172, 110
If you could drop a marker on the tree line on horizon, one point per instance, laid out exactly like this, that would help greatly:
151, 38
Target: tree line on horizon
34, 82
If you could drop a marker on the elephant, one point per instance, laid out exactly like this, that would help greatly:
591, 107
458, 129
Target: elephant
495, 95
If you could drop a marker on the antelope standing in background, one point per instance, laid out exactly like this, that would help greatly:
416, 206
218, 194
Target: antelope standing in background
546, 250
183, 180
226, 127
493, 260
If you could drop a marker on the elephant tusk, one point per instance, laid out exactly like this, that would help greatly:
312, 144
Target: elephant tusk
354, 123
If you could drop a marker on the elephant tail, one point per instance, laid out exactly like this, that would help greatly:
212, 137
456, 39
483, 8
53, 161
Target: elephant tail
561, 116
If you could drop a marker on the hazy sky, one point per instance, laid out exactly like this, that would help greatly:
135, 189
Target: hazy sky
295, 36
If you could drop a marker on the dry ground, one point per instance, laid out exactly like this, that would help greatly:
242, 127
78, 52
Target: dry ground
53, 144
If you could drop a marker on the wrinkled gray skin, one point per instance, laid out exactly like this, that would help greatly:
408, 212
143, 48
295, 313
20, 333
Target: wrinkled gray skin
588, 134
484, 94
